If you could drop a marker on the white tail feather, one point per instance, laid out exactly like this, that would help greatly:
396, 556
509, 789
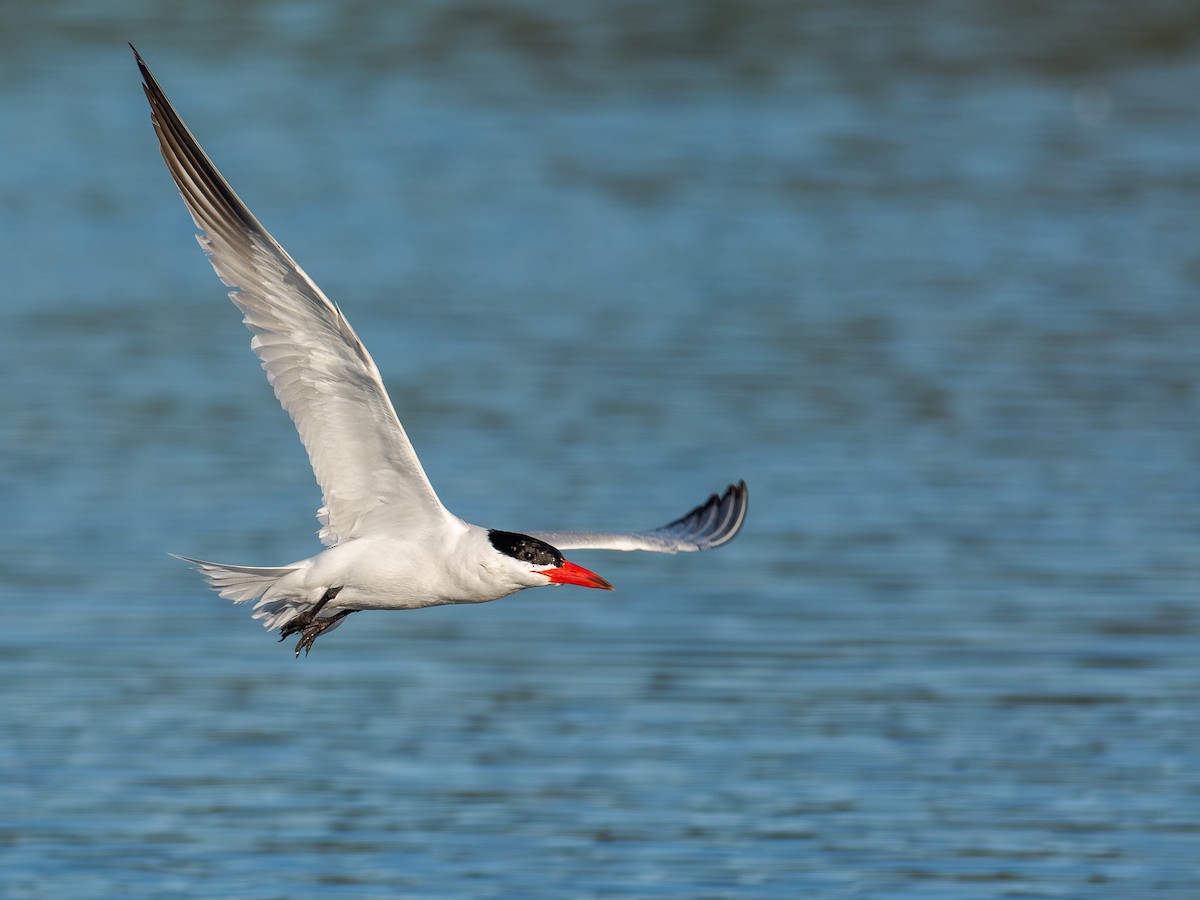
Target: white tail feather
243, 583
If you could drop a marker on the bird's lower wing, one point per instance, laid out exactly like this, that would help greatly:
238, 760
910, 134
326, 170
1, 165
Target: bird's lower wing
711, 524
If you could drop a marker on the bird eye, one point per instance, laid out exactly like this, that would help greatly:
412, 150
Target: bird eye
527, 556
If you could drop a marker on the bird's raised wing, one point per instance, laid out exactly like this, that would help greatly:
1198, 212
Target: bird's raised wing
714, 522
321, 372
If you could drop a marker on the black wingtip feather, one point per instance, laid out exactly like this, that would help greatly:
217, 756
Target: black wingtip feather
716, 521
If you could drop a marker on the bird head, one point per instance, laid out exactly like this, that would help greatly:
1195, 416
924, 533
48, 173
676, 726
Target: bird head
540, 559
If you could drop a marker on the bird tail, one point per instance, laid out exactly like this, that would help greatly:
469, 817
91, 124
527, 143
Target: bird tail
243, 583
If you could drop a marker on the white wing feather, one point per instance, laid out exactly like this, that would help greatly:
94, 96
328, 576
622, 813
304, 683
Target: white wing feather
714, 522
322, 374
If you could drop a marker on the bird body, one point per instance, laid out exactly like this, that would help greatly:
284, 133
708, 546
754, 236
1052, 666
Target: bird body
390, 543
388, 571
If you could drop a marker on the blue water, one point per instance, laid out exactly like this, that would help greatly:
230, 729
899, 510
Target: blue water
927, 278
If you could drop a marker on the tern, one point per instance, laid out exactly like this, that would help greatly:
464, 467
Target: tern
390, 543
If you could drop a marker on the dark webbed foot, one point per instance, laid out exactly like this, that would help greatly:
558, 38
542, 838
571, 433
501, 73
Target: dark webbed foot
317, 628
308, 626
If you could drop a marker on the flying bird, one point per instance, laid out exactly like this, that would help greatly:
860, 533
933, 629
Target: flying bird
390, 543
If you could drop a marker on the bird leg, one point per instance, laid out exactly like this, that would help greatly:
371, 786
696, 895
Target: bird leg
309, 626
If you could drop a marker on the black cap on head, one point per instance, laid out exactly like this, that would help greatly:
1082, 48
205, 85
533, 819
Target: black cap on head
525, 548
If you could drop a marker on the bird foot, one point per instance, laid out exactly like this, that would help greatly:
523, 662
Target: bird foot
308, 626
314, 630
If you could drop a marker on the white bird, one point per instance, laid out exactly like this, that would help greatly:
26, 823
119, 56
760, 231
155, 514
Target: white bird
391, 544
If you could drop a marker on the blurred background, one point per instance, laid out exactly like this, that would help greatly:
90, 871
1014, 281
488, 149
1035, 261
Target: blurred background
925, 275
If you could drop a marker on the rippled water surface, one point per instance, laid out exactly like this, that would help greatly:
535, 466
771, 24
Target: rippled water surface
926, 278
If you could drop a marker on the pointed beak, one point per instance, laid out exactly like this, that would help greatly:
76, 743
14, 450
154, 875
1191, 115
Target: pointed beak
569, 573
